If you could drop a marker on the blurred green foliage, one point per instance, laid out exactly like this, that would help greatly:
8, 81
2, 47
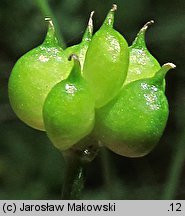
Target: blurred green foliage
30, 167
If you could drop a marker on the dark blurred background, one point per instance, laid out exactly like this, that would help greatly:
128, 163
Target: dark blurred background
30, 167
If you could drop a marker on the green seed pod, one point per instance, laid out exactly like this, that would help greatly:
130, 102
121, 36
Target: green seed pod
33, 76
81, 48
106, 62
69, 110
133, 122
142, 64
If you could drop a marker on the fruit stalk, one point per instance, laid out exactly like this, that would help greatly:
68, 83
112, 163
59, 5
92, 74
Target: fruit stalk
108, 174
74, 177
77, 159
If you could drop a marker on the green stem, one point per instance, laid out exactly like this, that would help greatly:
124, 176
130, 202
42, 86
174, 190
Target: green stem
77, 158
175, 171
74, 177
47, 12
107, 172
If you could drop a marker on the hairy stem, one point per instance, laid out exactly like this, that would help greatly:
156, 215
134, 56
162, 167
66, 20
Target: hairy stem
47, 12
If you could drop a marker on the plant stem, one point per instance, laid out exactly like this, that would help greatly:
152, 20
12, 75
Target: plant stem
175, 171
74, 177
107, 172
77, 158
47, 12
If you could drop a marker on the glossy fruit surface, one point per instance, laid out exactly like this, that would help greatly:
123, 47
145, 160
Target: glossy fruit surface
81, 48
69, 110
106, 62
142, 64
133, 122
33, 76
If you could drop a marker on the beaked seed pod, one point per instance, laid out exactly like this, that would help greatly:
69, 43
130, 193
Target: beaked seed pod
33, 76
133, 122
106, 62
69, 110
142, 64
81, 48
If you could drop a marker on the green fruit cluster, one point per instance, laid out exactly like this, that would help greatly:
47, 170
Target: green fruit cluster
99, 88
